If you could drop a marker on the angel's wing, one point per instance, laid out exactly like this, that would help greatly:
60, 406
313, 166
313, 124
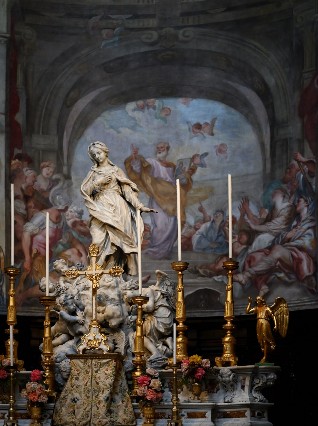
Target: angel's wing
281, 312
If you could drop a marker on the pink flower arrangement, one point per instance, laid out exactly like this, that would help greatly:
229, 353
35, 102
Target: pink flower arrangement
194, 368
35, 391
149, 387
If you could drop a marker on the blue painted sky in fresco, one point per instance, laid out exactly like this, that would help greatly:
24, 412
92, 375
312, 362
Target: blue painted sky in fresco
123, 126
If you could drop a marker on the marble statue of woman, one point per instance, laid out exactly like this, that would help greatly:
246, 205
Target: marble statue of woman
112, 201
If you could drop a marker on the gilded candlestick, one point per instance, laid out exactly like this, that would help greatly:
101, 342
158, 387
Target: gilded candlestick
12, 272
12, 420
228, 357
175, 412
139, 348
47, 352
182, 341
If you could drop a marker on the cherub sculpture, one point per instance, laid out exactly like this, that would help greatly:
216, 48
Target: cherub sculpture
277, 314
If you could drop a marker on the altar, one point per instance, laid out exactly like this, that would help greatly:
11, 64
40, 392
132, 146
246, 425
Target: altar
233, 396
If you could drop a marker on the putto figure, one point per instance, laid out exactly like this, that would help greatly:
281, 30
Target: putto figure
112, 201
278, 314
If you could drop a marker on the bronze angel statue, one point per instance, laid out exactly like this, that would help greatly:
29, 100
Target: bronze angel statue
277, 314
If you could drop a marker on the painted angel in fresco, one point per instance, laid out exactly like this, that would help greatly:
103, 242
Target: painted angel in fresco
267, 316
202, 129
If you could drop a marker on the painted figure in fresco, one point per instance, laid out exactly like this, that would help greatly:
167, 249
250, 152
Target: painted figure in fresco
112, 201
277, 314
241, 243
34, 238
189, 230
276, 221
211, 237
156, 177
202, 129
306, 178
45, 182
298, 179
34, 247
74, 244
23, 179
292, 253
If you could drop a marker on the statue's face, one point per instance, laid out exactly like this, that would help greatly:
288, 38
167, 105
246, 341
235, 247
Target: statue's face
99, 155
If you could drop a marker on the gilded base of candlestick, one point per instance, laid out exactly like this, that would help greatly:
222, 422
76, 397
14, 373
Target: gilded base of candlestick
148, 412
182, 341
228, 358
175, 412
11, 420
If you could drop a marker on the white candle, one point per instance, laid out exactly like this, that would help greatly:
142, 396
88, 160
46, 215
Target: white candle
174, 344
12, 224
11, 345
139, 250
229, 185
47, 252
179, 219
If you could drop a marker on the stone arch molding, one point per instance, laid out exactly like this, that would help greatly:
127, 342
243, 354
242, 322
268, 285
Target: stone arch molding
70, 100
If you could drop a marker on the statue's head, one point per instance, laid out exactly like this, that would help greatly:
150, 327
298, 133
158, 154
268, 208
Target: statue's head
99, 145
260, 300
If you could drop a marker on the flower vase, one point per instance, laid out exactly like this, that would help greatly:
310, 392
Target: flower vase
35, 410
148, 411
196, 389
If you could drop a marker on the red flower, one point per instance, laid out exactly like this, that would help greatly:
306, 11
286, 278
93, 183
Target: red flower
200, 372
149, 387
34, 390
194, 368
36, 375
143, 380
33, 396
153, 396
3, 374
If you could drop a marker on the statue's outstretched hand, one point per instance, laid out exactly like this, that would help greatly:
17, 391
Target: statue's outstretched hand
145, 209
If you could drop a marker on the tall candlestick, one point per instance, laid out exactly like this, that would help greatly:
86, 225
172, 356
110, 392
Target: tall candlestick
12, 224
11, 345
179, 219
229, 185
47, 253
139, 250
174, 344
